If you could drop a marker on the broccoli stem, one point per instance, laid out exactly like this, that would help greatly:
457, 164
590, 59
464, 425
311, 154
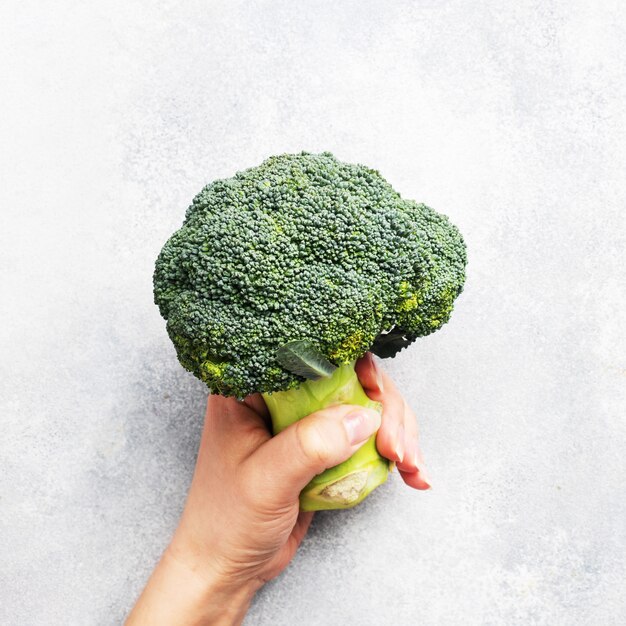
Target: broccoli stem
350, 482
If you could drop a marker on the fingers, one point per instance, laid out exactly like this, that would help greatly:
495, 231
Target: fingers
408, 464
415, 480
391, 438
397, 438
412, 469
370, 376
287, 462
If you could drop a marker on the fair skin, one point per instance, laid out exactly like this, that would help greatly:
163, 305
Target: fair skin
241, 524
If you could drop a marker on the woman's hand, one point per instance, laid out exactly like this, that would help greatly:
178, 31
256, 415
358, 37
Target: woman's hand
241, 524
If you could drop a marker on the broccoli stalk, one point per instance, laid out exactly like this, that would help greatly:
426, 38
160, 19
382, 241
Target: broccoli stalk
348, 483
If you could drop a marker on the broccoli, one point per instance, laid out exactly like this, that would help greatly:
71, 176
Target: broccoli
284, 275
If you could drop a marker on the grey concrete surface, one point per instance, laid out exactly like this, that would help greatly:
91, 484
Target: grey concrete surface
507, 116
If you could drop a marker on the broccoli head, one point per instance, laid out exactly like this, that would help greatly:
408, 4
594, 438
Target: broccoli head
302, 248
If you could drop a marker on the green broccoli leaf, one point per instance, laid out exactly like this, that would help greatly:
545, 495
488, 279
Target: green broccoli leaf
304, 359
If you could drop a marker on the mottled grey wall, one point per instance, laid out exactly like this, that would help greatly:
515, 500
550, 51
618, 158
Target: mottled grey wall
507, 116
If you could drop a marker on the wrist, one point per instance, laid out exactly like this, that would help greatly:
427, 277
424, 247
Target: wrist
220, 600
176, 594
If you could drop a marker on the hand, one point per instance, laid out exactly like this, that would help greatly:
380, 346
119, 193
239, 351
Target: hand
241, 524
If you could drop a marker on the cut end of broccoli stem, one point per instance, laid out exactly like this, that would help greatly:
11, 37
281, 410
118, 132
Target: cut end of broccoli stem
347, 484
347, 489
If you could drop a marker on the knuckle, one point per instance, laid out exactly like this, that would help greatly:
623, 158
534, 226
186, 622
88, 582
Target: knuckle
314, 446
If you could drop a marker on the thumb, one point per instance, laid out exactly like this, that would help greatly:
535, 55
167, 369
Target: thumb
288, 461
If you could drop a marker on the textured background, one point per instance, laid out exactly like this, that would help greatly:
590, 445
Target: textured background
509, 117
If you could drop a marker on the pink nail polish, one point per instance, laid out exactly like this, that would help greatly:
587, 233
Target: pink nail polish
421, 467
426, 478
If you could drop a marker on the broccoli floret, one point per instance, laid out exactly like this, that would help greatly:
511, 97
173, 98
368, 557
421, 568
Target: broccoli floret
302, 247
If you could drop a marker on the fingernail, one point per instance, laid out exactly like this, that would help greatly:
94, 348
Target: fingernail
399, 446
419, 458
426, 478
421, 467
378, 373
361, 424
